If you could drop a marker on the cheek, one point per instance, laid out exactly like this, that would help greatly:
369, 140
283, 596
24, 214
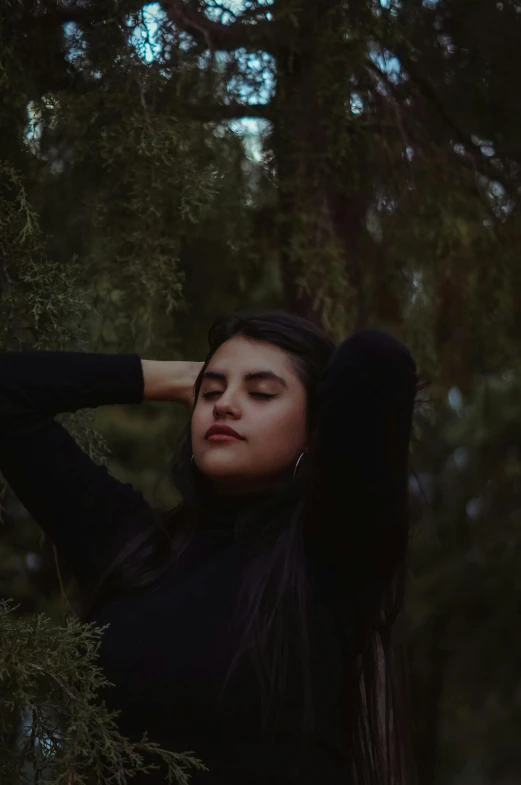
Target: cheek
197, 424
283, 432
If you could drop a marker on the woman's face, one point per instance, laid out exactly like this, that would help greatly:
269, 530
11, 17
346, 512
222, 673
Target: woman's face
251, 387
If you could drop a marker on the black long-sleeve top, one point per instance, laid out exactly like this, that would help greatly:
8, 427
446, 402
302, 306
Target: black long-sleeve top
167, 651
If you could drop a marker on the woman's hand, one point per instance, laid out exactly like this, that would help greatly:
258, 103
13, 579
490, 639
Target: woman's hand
170, 380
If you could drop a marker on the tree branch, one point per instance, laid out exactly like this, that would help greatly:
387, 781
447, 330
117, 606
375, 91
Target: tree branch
56, 679
92, 14
473, 156
472, 150
234, 111
189, 16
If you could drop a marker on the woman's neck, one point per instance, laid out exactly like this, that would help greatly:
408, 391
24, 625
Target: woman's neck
242, 487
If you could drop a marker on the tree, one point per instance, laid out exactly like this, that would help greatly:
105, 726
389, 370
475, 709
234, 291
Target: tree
386, 194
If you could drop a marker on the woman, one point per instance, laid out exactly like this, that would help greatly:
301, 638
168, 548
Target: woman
246, 625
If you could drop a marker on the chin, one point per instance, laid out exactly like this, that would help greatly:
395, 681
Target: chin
221, 467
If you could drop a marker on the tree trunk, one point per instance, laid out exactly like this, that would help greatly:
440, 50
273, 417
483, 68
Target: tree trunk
321, 216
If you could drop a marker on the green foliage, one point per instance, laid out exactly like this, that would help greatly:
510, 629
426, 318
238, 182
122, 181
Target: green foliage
41, 302
463, 594
151, 192
49, 674
387, 194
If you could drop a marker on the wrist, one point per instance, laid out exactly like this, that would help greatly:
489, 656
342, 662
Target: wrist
169, 380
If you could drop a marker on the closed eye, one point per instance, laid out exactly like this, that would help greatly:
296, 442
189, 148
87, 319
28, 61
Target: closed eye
209, 395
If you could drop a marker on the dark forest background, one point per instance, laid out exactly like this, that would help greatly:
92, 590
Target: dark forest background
358, 163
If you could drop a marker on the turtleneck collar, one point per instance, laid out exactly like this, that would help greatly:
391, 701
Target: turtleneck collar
220, 512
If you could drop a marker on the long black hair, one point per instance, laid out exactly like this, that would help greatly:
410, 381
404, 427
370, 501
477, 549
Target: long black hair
272, 607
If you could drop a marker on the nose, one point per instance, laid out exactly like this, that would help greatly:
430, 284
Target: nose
226, 405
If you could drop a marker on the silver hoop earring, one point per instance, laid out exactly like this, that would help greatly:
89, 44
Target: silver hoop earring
297, 463
192, 460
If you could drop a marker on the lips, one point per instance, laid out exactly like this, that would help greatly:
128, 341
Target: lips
223, 431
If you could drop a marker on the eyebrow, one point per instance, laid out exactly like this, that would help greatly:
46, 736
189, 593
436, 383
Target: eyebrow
248, 376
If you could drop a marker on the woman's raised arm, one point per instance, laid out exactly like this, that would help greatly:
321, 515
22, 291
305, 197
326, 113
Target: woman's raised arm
84, 510
358, 507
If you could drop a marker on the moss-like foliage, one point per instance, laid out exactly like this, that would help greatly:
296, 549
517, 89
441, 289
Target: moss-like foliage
49, 690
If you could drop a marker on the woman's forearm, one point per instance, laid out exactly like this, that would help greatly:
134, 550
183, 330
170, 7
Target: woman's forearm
170, 380
47, 383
